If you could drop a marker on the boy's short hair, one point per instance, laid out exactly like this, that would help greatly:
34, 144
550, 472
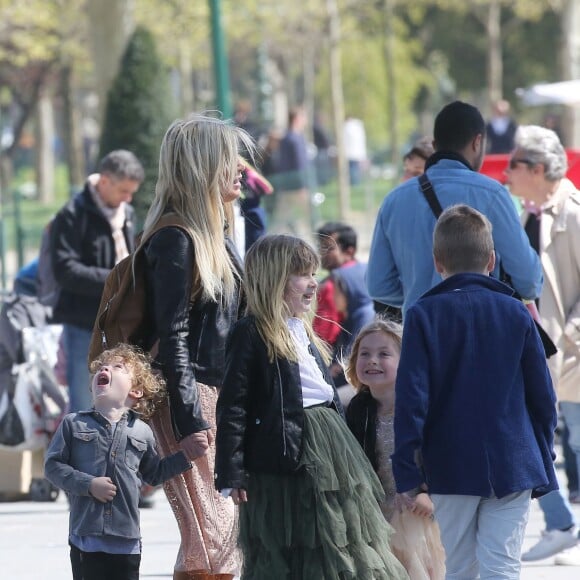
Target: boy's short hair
144, 378
422, 147
462, 240
346, 236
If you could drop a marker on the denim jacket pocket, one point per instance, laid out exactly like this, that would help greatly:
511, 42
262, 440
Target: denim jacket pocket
85, 450
135, 450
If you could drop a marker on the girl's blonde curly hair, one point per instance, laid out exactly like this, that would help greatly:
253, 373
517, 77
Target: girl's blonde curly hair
144, 377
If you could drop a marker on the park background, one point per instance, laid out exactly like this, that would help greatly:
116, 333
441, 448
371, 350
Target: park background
81, 77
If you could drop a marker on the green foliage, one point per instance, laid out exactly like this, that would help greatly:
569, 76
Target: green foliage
456, 31
138, 111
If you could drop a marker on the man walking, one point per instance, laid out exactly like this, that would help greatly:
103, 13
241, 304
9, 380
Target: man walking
88, 236
401, 266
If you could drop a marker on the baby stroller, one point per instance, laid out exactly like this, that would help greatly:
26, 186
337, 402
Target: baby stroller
32, 403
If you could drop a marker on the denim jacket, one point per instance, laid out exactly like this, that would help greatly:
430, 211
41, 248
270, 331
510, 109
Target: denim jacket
86, 446
400, 267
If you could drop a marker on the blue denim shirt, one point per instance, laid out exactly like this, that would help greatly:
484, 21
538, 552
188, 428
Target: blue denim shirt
86, 446
400, 267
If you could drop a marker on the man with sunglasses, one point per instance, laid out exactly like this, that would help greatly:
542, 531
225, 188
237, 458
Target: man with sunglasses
537, 174
400, 267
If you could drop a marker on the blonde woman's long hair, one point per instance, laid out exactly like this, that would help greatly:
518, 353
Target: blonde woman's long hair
269, 263
197, 165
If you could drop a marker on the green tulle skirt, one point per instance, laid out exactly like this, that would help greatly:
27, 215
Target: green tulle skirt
324, 521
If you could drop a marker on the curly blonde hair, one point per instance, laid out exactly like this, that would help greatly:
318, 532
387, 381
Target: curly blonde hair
144, 377
390, 328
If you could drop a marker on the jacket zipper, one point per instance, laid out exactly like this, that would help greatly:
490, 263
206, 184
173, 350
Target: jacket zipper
365, 431
203, 325
282, 409
102, 326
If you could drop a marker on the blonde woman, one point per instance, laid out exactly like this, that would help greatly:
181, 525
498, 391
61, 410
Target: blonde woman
308, 496
193, 286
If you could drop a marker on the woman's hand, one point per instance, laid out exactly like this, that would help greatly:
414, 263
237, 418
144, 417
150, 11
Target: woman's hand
195, 445
239, 496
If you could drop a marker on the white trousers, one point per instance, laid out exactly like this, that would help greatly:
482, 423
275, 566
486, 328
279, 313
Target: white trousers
482, 536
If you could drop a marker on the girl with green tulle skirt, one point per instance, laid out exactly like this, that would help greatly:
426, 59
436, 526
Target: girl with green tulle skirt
308, 496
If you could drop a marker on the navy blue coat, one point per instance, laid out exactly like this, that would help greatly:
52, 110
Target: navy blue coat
474, 398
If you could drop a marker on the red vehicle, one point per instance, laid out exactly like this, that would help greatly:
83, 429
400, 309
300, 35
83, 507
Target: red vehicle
495, 165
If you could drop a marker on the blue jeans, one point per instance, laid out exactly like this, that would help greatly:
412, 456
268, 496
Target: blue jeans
571, 413
557, 511
482, 536
76, 347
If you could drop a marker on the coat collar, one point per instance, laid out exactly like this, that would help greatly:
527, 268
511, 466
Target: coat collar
469, 281
554, 221
555, 205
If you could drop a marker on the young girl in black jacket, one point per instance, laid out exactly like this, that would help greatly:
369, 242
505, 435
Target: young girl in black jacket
372, 371
308, 496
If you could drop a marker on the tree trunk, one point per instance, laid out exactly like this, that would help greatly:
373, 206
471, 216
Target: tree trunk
570, 66
73, 147
185, 78
45, 158
338, 106
111, 25
388, 51
494, 53
309, 76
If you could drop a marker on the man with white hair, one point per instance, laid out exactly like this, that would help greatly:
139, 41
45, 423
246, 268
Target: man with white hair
536, 173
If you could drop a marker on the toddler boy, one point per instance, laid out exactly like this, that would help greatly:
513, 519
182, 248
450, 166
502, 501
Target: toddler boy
98, 457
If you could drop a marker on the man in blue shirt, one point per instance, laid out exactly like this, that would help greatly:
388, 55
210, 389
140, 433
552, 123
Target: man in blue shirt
400, 267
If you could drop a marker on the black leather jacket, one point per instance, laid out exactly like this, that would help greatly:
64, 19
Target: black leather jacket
192, 336
361, 417
260, 415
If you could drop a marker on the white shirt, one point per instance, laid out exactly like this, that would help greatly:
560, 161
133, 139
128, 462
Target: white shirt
315, 390
355, 142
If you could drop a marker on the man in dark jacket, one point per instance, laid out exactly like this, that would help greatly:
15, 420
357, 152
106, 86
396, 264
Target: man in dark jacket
89, 235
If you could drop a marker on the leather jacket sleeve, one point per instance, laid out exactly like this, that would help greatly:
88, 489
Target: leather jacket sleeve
232, 407
170, 264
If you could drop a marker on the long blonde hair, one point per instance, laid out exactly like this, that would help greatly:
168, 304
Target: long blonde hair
269, 263
197, 165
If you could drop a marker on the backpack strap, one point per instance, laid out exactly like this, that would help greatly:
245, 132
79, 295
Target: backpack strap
430, 196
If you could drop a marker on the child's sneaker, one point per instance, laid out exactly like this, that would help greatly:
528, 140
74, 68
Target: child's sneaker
551, 543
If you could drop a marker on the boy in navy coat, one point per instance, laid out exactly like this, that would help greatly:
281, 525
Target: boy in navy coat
475, 409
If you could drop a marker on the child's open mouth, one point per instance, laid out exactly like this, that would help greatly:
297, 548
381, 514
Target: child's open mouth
102, 379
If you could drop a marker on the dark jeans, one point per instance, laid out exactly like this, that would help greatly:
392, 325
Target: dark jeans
103, 566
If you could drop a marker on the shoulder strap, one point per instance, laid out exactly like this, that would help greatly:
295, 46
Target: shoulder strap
167, 220
430, 196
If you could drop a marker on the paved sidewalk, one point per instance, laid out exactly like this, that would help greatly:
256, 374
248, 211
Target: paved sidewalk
33, 543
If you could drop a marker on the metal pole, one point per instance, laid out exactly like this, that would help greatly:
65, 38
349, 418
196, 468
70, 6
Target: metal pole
18, 229
220, 60
3, 265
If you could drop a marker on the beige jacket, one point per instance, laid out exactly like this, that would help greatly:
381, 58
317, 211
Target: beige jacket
560, 299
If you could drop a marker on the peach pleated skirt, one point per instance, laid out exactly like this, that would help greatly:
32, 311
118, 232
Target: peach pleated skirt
207, 521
